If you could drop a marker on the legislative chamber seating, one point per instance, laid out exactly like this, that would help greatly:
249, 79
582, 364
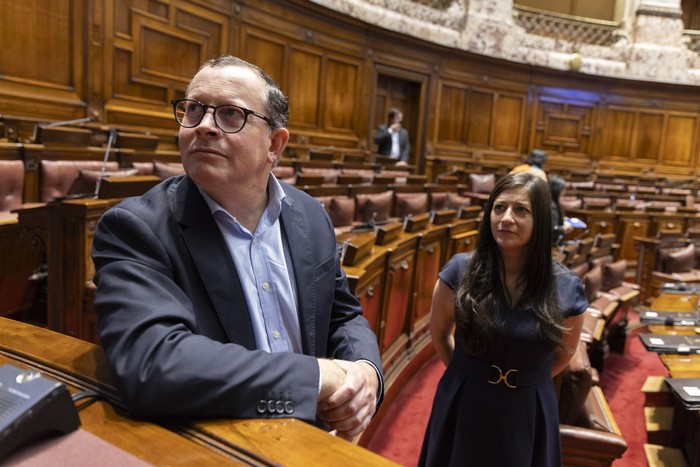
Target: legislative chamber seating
595, 260
61, 178
20, 252
589, 434
670, 257
353, 207
11, 187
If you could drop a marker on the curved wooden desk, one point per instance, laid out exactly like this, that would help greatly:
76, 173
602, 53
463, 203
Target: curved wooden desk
82, 367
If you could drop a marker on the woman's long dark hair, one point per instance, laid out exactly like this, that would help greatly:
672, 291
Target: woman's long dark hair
480, 303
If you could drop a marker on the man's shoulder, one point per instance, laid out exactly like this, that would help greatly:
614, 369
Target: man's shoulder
157, 197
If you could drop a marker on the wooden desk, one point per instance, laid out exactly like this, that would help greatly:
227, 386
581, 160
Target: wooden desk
679, 366
685, 432
82, 367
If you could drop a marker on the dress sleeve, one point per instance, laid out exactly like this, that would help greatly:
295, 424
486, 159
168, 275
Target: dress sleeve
452, 272
572, 295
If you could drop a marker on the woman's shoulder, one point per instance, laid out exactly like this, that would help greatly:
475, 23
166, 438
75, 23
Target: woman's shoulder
459, 260
452, 271
564, 274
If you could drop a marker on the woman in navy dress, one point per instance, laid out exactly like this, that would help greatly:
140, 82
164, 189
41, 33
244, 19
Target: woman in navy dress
505, 319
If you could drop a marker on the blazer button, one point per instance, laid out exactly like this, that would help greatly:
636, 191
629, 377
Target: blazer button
279, 407
262, 407
271, 406
289, 407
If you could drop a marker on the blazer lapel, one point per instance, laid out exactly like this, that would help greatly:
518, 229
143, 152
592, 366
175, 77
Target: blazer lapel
211, 256
297, 234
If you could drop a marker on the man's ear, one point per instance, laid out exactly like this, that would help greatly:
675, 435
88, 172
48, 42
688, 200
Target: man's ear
278, 141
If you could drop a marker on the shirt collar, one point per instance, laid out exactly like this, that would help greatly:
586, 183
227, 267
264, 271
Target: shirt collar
274, 202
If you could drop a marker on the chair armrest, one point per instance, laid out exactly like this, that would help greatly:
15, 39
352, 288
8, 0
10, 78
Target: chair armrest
591, 444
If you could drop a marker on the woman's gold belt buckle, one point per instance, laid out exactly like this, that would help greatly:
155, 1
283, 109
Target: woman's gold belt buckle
504, 376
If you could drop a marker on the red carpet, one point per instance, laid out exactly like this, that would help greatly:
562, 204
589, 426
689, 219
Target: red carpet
400, 435
622, 383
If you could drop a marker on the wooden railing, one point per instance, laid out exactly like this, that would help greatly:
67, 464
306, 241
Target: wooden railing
82, 367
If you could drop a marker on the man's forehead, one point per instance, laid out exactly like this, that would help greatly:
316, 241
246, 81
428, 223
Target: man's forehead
227, 78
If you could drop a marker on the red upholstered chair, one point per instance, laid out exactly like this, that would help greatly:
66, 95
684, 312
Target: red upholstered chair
480, 187
410, 204
87, 179
58, 177
589, 433
374, 206
11, 186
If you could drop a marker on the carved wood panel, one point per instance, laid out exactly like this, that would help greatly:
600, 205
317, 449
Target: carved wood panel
479, 117
41, 63
563, 124
155, 48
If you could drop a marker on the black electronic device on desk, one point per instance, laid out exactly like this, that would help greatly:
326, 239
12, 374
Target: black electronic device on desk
687, 389
669, 318
667, 343
32, 407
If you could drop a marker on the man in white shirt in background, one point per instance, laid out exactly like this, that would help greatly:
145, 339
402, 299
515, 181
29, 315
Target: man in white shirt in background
392, 139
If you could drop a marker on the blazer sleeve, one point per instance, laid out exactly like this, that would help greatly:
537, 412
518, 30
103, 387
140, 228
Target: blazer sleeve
167, 350
405, 146
382, 137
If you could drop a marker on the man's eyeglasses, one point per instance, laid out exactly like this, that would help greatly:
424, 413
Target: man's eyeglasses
228, 118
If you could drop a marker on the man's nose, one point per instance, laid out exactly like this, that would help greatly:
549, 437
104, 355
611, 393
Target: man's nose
208, 123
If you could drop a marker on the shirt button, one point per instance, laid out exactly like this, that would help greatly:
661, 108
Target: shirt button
275, 334
255, 242
266, 285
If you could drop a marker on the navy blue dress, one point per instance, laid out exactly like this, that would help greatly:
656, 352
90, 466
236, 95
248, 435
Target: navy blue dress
484, 415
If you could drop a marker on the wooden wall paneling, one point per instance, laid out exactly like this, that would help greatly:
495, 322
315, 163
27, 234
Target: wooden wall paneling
304, 82
563, 121
341, 92
323, 72
269, 53
115, 58
680, 141
482, 112
618, 128
509, 122
153, 50
451, 115
42, 65
647, 136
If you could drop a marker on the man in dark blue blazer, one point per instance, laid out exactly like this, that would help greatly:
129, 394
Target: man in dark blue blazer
392, 138
220, 292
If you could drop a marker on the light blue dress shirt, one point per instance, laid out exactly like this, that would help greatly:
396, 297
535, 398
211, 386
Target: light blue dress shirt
268, 284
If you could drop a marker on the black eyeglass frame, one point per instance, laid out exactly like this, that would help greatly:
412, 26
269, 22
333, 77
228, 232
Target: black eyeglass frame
206, 107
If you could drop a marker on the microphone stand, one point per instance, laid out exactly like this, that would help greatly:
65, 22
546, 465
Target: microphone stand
95, 194
112, 135
91, 118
